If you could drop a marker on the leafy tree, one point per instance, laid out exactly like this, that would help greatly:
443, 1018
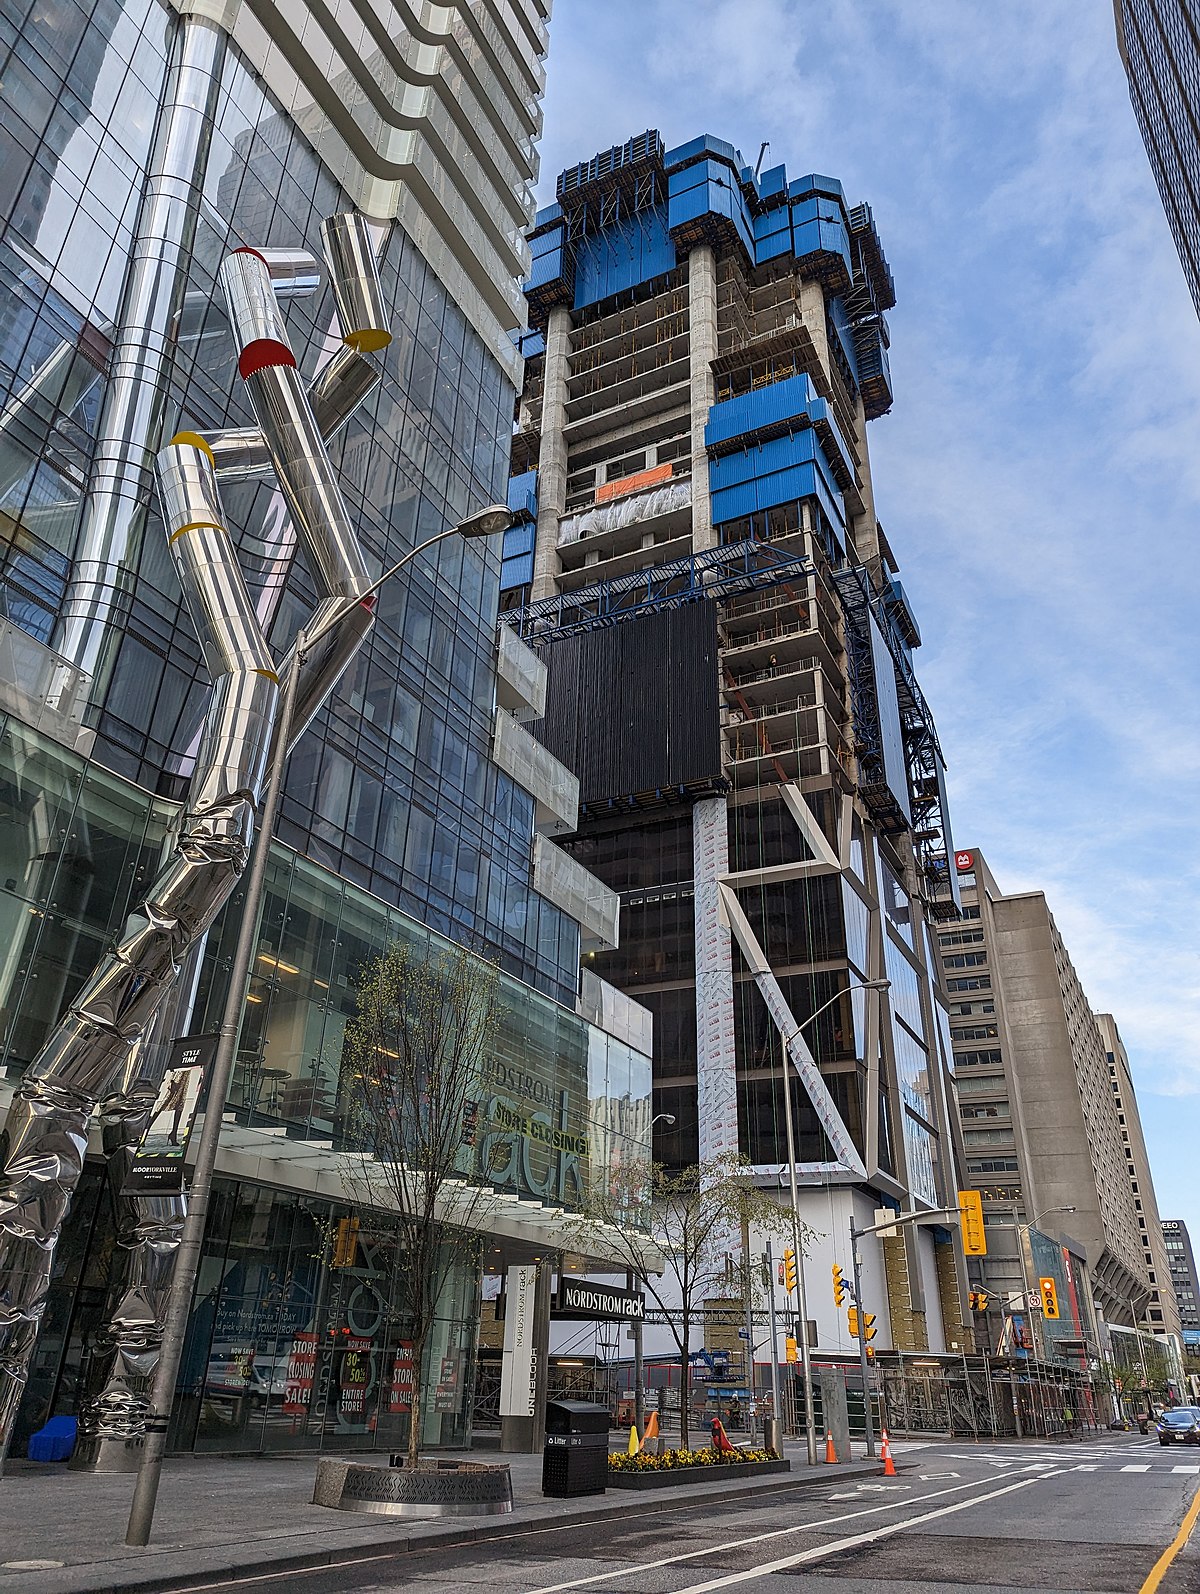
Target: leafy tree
674, 1232
410, 1083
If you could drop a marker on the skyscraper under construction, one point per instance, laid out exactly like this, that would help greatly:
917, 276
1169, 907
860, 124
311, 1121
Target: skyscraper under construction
730, 655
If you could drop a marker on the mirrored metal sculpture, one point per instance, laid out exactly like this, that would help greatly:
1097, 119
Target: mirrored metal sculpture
93, 1048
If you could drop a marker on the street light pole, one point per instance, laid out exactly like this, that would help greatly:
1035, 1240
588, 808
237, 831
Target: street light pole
187, 1265
810, 1418
856, 1234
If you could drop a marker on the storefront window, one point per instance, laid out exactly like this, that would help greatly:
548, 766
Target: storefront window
300, 1336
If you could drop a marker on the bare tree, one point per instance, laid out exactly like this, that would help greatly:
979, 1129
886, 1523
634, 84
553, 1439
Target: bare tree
686, 1224
411, 1080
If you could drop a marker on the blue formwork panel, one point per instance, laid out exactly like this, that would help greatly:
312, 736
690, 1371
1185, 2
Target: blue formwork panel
516, 572
776, 472
705, 200
622, 256
551, 275
824, 187
765, 406
772, 233
706, 144
793, 399
820, 234
840, 322
773, 182
523, 501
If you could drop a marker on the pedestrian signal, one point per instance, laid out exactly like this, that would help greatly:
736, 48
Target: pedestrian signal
852, 1321
789, 1270
970, 1213
791, 1349
840, 1288
1049, 1291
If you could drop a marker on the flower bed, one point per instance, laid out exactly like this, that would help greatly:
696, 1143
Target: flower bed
645, 1471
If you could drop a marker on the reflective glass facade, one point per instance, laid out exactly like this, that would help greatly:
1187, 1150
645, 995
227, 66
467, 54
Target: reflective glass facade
561, 1103
1160, 47
393, 787
395, 821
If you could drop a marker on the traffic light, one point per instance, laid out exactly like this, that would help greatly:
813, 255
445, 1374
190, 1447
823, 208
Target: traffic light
840, 1288
978, 1300
868, 1326
793, 1354
852, 1321
970, 1215
345, 1243
789, 1270
1049, 1291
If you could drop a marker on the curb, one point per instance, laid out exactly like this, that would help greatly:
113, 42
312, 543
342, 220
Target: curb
159, 1580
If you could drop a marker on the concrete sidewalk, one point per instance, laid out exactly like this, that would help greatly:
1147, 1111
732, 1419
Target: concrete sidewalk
63, 1532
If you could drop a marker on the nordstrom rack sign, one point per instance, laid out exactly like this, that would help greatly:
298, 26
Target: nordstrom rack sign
581, 1299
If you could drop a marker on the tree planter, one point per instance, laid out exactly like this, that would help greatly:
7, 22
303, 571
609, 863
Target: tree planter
431, 1489
670, 1476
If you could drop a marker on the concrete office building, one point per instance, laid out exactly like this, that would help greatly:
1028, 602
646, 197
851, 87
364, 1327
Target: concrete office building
701, 565
1161, 1312
1048, 1122
140, 143
1185, 1281
1159, 43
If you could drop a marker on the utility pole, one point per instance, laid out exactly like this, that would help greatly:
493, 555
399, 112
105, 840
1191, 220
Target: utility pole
748, 1283
893, 1221
639, 1403
864, 1368
775, 1399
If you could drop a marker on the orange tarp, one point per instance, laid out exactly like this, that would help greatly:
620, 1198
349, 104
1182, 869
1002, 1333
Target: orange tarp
633, 484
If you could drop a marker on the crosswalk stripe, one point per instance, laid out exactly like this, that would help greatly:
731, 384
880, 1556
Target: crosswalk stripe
1135, 1469
1185, 1469
1092, 1468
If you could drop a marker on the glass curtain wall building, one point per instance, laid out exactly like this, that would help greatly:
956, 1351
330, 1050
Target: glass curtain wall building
1159, 42
400, 818
700, 562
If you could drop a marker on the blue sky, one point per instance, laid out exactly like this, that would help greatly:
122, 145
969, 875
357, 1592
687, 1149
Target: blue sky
1039, 476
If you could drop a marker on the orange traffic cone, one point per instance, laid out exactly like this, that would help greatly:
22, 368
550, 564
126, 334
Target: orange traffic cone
651, 1429
885, 1451
830, 1452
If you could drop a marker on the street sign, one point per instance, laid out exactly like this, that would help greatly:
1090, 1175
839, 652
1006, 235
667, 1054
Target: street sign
743, 1333
970, 1211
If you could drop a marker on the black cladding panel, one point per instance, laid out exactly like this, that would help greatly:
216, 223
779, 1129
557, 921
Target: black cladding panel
634, 707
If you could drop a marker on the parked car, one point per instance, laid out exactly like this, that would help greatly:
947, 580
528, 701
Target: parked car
1179, 1426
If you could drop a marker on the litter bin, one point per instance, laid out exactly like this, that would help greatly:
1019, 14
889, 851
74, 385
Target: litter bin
575, 1460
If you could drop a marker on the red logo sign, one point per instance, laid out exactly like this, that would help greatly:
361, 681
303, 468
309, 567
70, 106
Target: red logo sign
964, 861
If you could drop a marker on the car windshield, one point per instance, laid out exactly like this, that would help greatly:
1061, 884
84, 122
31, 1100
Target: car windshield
1179, 1419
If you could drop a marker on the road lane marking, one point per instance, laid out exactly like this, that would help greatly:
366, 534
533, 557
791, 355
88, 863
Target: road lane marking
1185, 1469
759, 1538
1135, 1469
1160, 1568
821, 1552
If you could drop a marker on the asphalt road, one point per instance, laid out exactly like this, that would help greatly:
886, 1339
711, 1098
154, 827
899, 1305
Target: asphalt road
1083, 1518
